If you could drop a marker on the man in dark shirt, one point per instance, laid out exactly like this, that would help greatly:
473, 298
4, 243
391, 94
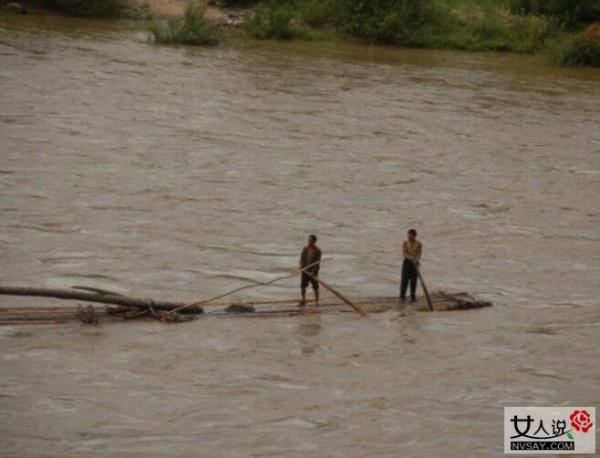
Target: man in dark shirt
310, 254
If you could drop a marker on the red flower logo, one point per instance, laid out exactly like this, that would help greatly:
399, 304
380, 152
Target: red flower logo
581, 420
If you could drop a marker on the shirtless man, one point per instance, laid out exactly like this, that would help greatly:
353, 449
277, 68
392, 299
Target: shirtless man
310, 254
411, 250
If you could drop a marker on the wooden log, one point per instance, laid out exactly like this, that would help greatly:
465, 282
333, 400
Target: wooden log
97, 290
95, 297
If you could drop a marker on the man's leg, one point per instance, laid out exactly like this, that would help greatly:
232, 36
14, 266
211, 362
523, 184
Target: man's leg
404, 282
303, 285
315, 285
413, 285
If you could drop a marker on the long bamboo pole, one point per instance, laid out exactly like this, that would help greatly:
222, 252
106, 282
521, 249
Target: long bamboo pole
251, 285
338, 294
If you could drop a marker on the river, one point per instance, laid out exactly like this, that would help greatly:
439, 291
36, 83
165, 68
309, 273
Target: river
178, 173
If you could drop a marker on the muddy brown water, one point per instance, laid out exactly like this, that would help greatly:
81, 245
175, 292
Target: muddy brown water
178, 173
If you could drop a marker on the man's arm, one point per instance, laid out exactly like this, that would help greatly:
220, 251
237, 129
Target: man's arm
317, 267
303, 257
404, 250
419, 252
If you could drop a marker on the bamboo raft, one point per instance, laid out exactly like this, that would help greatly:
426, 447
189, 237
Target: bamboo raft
129, 308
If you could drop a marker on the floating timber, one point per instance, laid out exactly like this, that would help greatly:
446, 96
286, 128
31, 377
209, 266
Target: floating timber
89, 314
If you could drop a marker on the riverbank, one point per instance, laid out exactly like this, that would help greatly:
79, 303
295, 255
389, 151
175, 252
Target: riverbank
567, 35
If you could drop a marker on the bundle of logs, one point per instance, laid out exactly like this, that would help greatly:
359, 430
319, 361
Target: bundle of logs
117, 305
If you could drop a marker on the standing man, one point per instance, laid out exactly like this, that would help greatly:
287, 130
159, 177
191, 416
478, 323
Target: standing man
411, 250
310, 254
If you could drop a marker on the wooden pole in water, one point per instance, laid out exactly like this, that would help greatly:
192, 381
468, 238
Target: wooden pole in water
427, 296
338, 294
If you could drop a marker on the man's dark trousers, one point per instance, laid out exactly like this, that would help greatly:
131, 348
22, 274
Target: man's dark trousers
409, 275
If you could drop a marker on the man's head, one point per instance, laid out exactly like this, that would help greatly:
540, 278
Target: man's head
412, 234
312, 239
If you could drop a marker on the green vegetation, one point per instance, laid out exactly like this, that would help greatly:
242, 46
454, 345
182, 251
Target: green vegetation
398, 22
494, 31
569, 12
318, 13
577, 50
273, 20
303, 19
567, 31
234, 3
524, 26
457, 24
192, 29
89, 8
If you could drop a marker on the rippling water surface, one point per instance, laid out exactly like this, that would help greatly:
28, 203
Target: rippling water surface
178, 173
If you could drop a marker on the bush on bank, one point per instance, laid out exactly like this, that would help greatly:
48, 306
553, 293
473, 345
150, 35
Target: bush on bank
578, 50
89, 8
525, 26
416, 23
400, 22
569, 12
302, 19
234, 3
317, 13
493, 31
192, 29
277, 20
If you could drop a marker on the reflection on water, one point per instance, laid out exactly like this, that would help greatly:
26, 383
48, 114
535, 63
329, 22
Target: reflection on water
309, 329
177, 173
